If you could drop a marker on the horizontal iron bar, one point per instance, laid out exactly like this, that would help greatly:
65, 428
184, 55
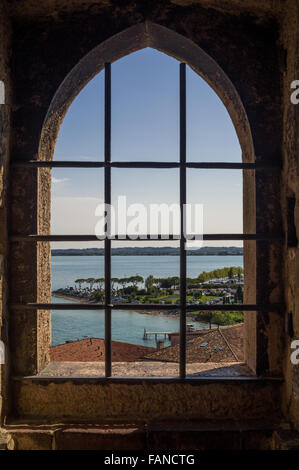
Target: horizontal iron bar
222, 165
190, 308
145, 164
205, 237
232, 165
58, 164
237, 307
142, 164
58, 306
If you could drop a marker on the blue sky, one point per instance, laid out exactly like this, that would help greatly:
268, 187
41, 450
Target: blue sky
145, 126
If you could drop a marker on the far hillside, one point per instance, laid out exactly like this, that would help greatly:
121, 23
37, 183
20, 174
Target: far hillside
151, 251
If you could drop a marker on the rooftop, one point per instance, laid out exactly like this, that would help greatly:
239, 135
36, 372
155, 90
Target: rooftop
223, 345
207, 346
93, 350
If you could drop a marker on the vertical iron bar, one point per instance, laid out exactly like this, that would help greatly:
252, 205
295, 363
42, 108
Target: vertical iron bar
107, 176
183, 274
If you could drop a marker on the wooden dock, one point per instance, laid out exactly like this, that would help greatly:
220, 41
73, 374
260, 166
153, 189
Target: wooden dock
156, 333
189, 329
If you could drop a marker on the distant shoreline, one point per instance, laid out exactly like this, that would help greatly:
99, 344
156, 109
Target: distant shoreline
150, 251
148, 254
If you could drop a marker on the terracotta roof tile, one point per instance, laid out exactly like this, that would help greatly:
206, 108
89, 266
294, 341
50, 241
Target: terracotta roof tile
225, 345
93, 350
207, 346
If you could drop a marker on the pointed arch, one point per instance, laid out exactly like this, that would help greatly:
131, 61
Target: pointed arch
137, 37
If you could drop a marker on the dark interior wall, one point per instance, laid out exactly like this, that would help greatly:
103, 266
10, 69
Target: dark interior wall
290, 204
245, 46
5, 112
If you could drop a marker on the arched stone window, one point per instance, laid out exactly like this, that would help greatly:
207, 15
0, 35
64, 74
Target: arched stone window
148, 163
32, 324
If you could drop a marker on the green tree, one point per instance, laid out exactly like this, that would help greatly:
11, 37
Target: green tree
90, 281
175, 282
219, 273
123, 281
100, 282
166, 283
136, 280
239, 295
197, 294
149, 282
206, 316
99, 296
221, 318
114, 282
80, 282
157, 283
230, 273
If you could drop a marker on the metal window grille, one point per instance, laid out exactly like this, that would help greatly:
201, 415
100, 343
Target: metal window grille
182, 165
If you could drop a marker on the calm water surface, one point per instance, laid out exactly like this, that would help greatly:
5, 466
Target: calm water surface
127, 326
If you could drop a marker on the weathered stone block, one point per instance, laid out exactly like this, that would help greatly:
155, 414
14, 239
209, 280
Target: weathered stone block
101, 438
194, 436
30, 440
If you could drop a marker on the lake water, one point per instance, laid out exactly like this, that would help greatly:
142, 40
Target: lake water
127, 326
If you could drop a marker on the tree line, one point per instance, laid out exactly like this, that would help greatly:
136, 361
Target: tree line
171, 282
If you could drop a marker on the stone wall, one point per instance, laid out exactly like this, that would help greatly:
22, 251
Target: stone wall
290, 203
91, 400
5, 110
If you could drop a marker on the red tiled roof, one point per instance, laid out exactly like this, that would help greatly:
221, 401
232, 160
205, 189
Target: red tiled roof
206, 346
234, 336
93, 350
224, 345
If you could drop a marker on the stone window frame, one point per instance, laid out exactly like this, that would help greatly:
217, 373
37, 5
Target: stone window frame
31, 323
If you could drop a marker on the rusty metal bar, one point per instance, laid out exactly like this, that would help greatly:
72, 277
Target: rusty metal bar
277, 307
142, 164
183, 254
107, 199
147, 237
58, 164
